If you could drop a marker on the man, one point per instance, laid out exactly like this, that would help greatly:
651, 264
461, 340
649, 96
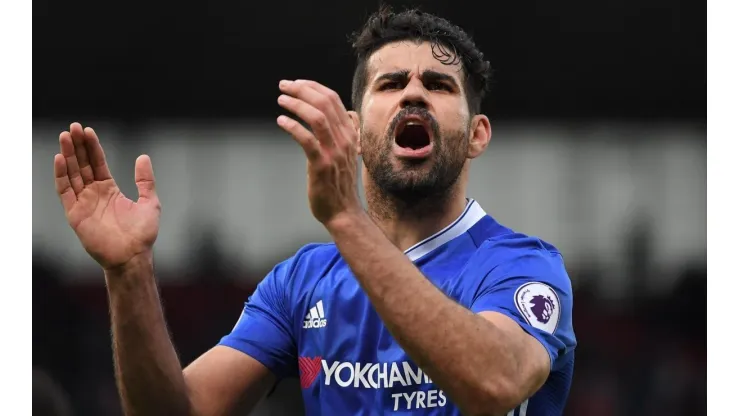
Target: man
423, 305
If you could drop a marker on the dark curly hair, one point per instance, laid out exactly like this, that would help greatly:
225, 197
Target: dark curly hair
385, 27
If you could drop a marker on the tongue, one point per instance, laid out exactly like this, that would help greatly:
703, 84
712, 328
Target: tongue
413, 137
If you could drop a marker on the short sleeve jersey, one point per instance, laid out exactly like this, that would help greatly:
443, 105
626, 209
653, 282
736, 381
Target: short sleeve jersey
309, 318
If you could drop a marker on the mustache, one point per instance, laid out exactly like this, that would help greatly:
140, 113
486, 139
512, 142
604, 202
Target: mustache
415, 111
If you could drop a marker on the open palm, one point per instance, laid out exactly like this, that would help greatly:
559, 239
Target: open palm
112, 228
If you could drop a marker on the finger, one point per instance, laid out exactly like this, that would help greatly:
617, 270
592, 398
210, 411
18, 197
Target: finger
78, 139
144, 177
318, 99
316, 119
304, 137
96, 155
343, 119
334, 98
62, 184
73, 169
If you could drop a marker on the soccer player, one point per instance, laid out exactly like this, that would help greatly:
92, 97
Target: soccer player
424, 304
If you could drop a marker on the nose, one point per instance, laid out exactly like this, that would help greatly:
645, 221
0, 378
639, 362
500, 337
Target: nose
414, 95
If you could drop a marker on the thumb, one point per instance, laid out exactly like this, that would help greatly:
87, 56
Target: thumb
144, 177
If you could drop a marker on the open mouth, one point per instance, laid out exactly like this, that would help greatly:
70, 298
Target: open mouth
413, 134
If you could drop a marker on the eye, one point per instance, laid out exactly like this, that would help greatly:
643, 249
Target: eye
391, 85
437, 86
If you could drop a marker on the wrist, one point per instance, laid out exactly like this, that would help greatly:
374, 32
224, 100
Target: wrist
345, 220
140, 264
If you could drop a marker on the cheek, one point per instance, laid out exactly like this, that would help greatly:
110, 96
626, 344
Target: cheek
378, 109
372, 128
370, 108
455, 127
452, 114
370, 142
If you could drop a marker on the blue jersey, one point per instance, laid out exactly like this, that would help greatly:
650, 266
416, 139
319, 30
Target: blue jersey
310, 318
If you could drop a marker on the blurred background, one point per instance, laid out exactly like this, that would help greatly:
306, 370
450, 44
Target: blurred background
599, 147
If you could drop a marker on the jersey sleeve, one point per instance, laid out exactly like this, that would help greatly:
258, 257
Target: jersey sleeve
535, 291
263, 330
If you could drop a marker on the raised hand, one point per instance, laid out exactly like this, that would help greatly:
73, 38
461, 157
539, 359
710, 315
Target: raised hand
112, 228
331, 146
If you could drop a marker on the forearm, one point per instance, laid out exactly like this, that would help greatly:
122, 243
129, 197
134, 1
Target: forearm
467, 356
148, 371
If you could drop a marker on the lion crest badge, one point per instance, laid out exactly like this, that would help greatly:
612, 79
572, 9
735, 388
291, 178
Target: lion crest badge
539, 305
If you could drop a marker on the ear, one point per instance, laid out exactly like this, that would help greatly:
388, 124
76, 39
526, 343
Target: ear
480, 135
356, 122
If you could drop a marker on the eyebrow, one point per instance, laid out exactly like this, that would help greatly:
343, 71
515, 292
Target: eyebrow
426, 76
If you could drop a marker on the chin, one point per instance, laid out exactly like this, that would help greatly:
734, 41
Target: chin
413, 165
412, 180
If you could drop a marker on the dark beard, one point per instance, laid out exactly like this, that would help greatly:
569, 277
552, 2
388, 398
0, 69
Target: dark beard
416, 187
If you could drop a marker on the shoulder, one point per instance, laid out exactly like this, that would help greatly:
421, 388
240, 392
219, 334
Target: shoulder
306, 266
514, 254
525, 278
313, 256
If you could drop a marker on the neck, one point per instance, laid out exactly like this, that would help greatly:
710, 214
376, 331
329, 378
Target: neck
405, 223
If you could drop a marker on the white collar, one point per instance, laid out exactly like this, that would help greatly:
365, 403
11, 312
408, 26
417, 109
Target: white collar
470, 216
